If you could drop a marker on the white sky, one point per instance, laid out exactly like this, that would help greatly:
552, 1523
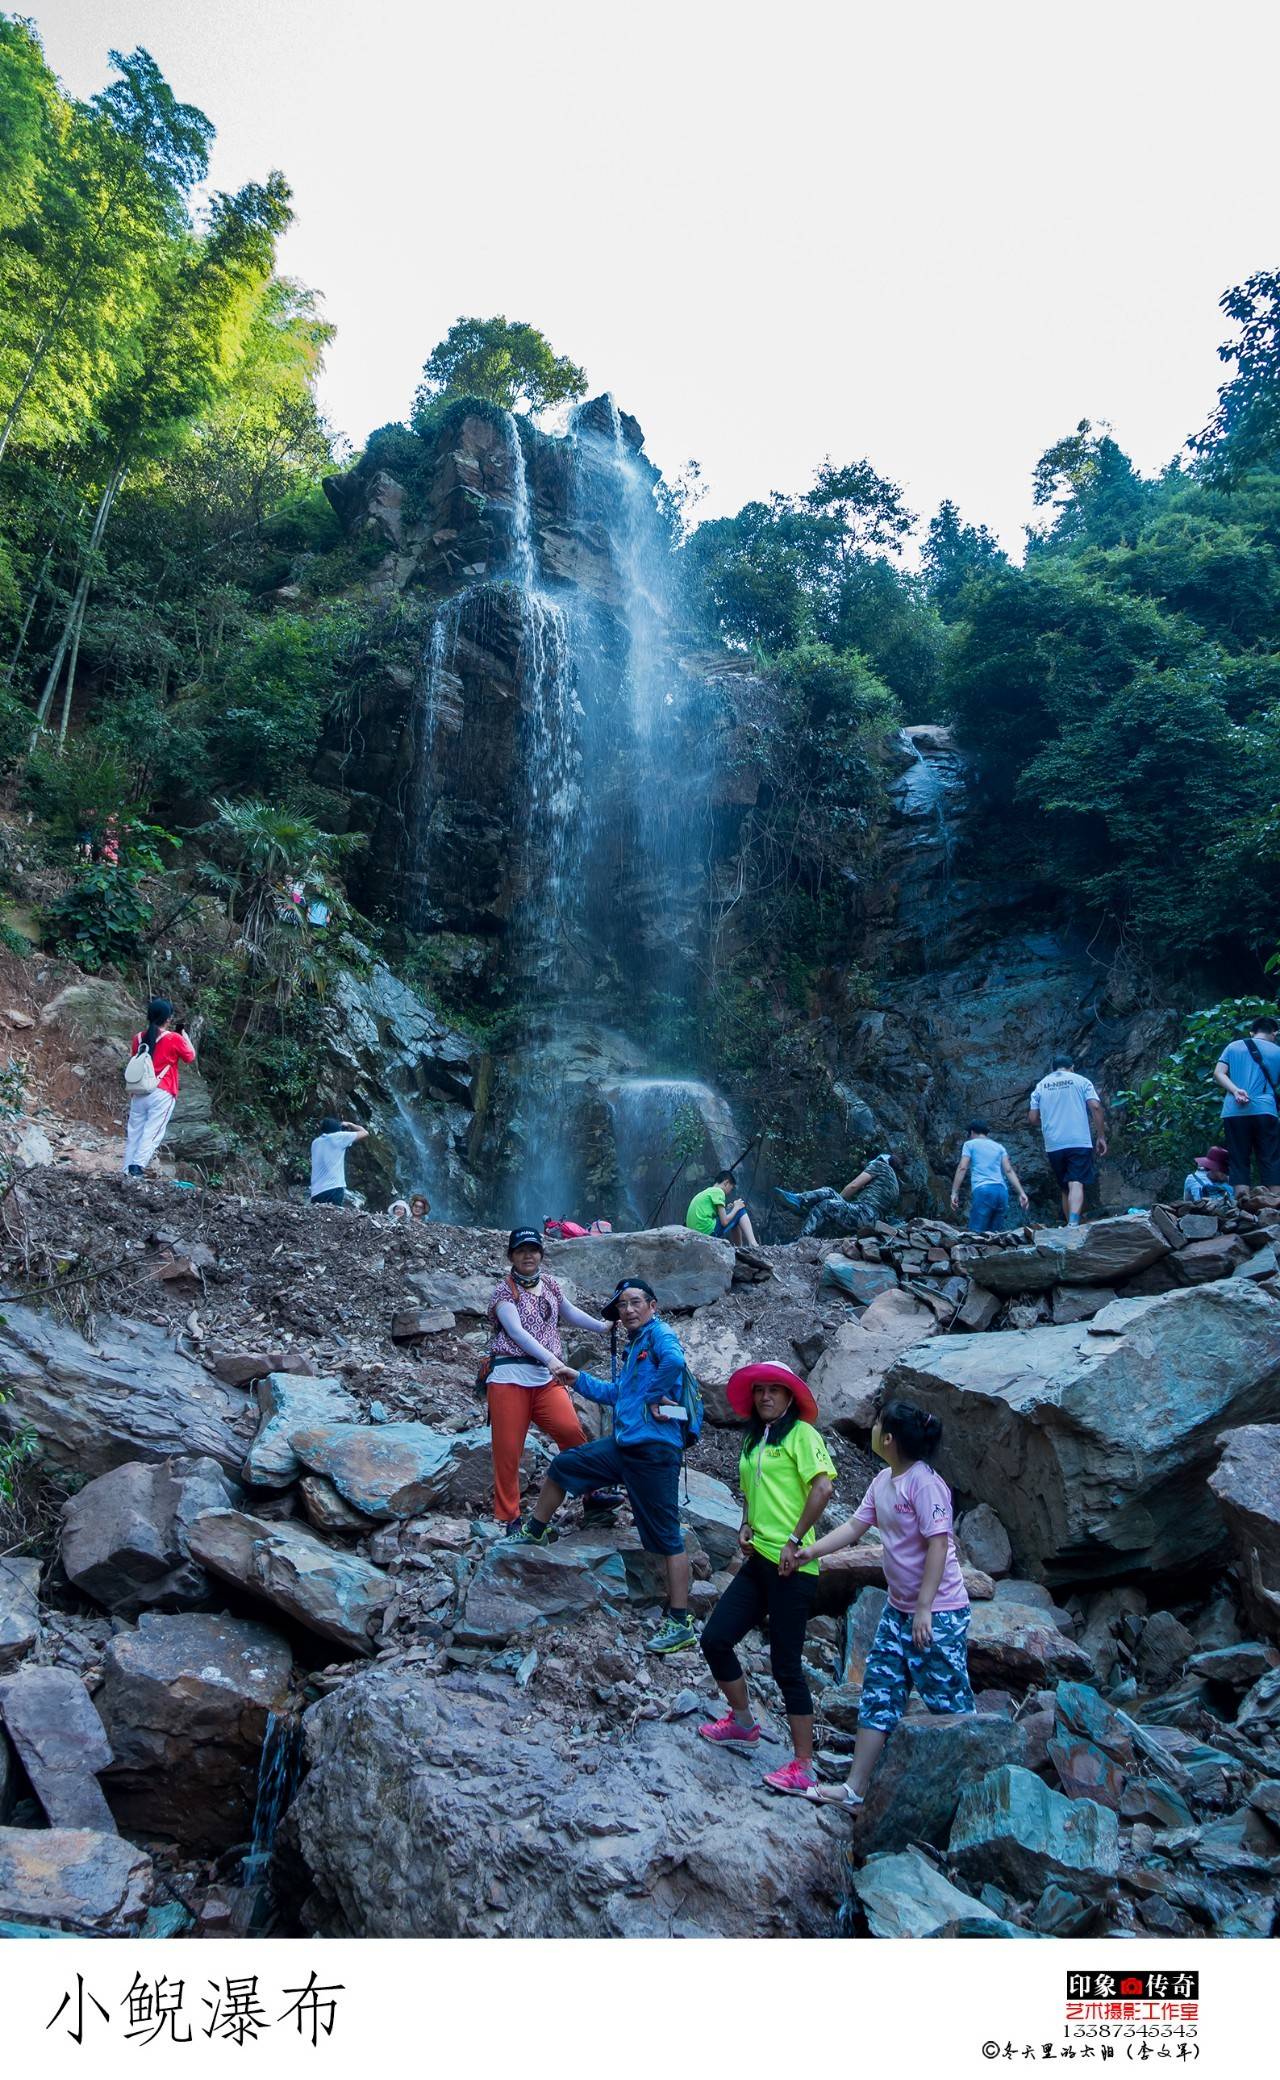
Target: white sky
936, 232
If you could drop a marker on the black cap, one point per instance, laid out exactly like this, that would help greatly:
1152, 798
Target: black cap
521, 1238
626, 1285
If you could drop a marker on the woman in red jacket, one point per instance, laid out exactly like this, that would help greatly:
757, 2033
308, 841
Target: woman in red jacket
166, 1042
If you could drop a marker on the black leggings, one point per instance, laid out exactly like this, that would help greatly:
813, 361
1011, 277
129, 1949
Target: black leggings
758, 1591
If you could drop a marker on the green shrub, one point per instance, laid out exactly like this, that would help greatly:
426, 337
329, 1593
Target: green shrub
99, 920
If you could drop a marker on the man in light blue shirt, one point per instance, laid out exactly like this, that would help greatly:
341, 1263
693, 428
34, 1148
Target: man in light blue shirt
1249, 1071
986, 1163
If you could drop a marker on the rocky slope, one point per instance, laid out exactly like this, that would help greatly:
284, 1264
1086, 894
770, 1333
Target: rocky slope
279, 1509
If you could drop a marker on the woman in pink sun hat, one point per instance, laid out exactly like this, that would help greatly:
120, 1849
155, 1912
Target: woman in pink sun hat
787, 1477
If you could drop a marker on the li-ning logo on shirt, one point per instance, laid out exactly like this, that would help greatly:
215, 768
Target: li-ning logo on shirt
939, 1510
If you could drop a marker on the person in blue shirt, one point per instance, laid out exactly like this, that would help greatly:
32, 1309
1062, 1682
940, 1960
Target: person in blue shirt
986, 1164
1249, 1072
643, 1455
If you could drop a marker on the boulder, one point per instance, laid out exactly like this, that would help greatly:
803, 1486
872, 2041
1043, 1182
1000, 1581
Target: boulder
1079, 1303
124, 1536
332, 1592
1216, 1256
857, 1281
861, 1620
907, 1895
61, 1744
984, 1540
185, 1701
653, 1836
1238, 1667
326, 1509
843, 1574
1013, 1828
74, 1878
1097, 1253
1259, 1715
399, 1469
125, 1393
1093, 1441
686, 1270
411, 1324
1012, 1646
517, 1589
454, 1294
977, 1310
1246, 1486
19, 1607
848, 1377
242, 1368
1091, 1749
1162, 1649
714, 1512
286, 1404
918, 1781
714, 1347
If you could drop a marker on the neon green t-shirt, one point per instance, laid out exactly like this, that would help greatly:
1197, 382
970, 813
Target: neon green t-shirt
775, 1480
701, 1216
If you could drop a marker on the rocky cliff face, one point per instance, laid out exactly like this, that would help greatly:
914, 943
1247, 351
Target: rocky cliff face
554, 801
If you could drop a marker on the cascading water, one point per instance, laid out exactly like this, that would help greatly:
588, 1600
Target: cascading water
671, 1134
279, 1767
606, 809
438, 686
927, 797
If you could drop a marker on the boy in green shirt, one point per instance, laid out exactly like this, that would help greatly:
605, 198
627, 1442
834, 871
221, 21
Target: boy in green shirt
712, 1212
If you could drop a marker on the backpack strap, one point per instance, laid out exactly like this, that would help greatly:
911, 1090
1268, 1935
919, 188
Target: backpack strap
1268, 1078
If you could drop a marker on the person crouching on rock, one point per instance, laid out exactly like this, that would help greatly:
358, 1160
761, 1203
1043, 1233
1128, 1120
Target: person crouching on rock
643, 1455
528, 1376
924, 1627
165, 1040
787, 1477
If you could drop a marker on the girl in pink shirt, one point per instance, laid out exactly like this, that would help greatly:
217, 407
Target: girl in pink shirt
923, 1631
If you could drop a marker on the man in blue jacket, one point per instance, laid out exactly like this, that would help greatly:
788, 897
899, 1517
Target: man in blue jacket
643, 1455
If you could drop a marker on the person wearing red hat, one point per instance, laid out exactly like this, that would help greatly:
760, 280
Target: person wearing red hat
787, 1477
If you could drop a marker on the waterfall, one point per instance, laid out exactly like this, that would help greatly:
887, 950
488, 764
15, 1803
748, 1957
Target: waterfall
927, 797
660, 1123
547, 927
279, 1767
438, 684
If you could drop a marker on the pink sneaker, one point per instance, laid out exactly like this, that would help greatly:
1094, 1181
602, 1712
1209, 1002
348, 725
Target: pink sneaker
729, 1731
795, 1778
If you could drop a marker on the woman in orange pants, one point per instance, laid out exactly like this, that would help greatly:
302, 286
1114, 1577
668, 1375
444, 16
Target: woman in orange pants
527, 1370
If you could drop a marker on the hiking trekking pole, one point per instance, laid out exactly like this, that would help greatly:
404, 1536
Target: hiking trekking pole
684, 1164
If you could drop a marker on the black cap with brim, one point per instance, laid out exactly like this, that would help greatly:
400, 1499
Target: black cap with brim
524, 1238
626, 1285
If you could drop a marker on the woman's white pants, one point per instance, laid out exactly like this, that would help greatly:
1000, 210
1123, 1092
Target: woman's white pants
148, 1118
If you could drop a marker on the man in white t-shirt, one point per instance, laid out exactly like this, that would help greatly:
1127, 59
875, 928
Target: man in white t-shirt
329, 1160
1068, 1112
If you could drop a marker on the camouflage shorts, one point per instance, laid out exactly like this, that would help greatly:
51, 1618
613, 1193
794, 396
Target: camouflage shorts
939, 1671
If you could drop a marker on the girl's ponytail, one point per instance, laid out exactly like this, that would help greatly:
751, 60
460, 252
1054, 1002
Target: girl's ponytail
159, 1012
917, 1435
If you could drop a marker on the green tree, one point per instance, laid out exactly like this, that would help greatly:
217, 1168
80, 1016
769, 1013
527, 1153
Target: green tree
105, 185
954, 556
508, 364
1244, 432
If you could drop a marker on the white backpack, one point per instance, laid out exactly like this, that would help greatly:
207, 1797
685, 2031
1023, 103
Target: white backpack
140, 1077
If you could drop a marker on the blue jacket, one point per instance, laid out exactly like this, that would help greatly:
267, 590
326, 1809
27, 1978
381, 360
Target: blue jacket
652, 1372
